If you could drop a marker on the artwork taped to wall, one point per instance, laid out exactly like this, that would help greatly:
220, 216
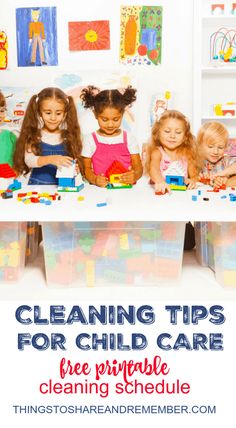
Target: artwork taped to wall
36, 31
73, 84
17, 99
3, 50
89, 35
160, 102
141, 35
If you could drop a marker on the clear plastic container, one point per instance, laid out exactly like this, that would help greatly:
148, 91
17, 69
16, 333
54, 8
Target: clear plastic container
106, 254
12, 250
224, 239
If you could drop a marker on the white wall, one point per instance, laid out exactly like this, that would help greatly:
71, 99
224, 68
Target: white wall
174, 73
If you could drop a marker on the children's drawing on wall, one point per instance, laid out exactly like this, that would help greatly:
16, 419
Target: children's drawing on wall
17, 99
36, 32
89, 35
73, 84
159, 104
3, 50
141, 35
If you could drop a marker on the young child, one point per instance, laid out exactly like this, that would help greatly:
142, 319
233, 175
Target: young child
171, 151
49, 137
7, 138
109, 143
214, 165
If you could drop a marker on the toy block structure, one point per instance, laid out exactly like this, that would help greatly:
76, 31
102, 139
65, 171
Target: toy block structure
68, 179
7, 176
176, 182
113, 173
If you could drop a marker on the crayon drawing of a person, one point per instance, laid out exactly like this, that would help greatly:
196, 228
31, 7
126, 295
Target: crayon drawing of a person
37, 36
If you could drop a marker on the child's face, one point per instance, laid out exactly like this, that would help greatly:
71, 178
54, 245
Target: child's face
2, 113
53, 113
213, 151
109, 120
172, 133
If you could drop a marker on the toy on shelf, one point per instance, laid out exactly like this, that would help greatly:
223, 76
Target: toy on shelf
233, 10
113, 173
68, 179
217, 8
227, 109
222, 46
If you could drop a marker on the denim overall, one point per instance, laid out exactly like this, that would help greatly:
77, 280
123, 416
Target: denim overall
47, 174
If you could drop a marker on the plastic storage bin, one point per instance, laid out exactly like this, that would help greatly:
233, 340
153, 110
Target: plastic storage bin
224, 239
32, 241
12, 250
127, 253
204, 244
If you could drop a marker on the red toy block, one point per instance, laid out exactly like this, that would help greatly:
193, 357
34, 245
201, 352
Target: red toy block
115, 168
160, 193
205, 180
6, 171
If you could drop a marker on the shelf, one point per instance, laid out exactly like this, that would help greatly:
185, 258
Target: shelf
221, 19
219, 118
196, 283
229, 69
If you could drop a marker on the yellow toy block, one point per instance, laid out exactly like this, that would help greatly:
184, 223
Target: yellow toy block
14, 259
229, 277
115, 178
90, 273
124, 241
177, 187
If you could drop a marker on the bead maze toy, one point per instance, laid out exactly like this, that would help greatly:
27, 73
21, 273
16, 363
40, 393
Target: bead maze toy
222, 46
113, 174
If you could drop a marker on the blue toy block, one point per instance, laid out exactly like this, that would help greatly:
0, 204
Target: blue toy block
16, 185
175, 179
66, 182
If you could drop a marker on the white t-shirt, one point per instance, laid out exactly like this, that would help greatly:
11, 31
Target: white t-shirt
52, 139
89, 145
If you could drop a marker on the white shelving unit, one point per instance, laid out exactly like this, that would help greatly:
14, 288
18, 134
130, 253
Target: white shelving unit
212, 83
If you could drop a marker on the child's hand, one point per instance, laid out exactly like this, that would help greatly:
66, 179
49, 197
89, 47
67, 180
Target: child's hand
161, 187
191, 183
59, 160
101, 180
220, 181
128, 177
206, 178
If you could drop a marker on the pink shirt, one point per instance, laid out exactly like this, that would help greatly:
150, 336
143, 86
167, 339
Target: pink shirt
105, 154
170, 167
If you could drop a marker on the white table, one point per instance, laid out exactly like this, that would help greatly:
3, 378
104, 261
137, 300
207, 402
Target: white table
137, 204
